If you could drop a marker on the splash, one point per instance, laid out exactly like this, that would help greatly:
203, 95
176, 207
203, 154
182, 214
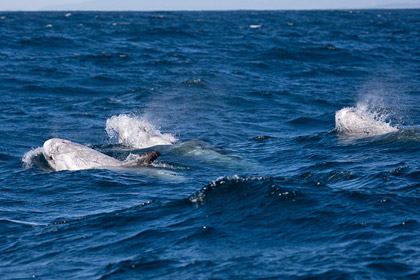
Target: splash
360, 122
136, 133
28, 157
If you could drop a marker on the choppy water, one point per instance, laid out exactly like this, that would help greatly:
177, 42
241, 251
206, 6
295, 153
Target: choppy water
256, 179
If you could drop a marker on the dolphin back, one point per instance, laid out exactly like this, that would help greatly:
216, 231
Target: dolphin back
66, 155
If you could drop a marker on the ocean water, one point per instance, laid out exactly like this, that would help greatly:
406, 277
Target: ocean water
289, 143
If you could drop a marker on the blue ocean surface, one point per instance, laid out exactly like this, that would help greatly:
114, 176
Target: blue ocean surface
289, 142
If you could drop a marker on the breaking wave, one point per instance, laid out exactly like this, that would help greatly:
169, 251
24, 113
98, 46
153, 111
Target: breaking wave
226, 185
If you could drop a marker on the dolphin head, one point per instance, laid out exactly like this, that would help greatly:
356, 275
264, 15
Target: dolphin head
61, 154
50, 150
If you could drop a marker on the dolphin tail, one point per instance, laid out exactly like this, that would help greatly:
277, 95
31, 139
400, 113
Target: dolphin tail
139, 160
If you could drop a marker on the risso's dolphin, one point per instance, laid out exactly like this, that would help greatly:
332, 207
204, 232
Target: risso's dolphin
359, 123
66, 155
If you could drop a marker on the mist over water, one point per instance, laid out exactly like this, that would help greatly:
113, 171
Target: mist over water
289, 145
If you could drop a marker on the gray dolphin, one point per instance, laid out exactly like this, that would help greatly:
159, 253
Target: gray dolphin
66, 155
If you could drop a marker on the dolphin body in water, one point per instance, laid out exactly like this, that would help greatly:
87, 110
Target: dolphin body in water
66, 155
360, 124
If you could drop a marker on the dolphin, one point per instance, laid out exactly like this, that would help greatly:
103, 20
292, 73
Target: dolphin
360, 124
66, 155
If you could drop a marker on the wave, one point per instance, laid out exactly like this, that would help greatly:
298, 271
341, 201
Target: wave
227, 186
359, 122
19, 222
50, 41
137, 133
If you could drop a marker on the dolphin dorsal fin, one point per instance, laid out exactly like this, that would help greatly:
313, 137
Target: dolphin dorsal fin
144, 159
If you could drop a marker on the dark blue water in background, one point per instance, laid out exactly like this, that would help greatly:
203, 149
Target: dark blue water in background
258, 185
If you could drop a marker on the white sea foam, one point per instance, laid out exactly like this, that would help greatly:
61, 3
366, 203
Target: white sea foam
28, 157
23, 222
160, 174
136, 133
360, 122
168, 166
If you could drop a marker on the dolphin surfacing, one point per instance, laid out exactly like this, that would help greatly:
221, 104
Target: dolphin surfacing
66, 155
358, 123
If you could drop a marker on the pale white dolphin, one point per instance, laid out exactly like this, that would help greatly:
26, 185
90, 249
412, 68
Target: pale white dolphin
66, 155
359, 124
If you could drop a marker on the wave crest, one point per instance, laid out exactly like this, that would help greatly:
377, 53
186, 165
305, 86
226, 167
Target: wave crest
227, 186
